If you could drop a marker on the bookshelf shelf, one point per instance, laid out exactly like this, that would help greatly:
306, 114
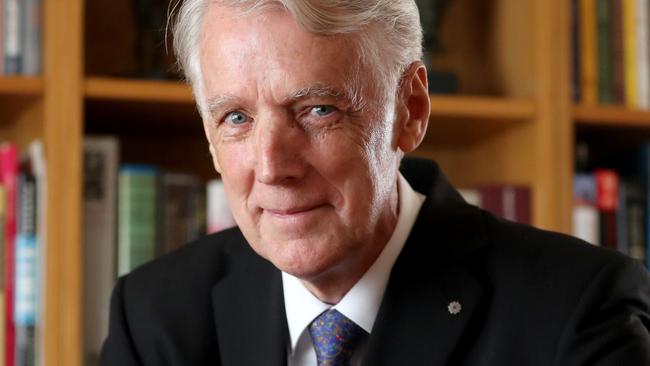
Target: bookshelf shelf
614, 116
18, 85
484, 108
115, 89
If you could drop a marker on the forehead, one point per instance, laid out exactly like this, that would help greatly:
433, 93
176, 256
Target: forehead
269, 50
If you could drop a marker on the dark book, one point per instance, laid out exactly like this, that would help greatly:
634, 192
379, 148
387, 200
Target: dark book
607, 183
604, 31
512, 202
575, 45
635, 212
618, 49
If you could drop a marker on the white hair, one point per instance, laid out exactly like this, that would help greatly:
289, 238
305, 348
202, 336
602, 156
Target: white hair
389, 32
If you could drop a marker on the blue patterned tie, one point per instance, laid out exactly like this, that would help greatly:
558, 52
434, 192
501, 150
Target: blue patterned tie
335, 338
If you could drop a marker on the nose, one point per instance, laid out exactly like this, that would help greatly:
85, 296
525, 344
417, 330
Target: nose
280, 144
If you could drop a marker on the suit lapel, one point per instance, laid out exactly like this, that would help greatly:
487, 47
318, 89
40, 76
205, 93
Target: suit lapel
432, 298
249, 314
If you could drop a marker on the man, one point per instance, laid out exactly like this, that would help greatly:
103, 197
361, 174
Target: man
308, 107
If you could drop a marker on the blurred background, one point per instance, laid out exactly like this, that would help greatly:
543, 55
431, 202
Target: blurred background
540, 114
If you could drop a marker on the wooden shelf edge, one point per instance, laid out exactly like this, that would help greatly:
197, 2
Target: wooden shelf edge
137, 90
481, 107
21, 85
610, 116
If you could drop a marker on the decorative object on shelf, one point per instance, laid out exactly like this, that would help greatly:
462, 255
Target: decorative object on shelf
431, 12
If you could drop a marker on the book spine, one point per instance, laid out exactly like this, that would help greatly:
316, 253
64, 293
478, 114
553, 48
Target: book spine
32, 37
630, 53
643, 53
9, 175
622, 240
13, 52
137, 216
2, 41
607, 182
26, 279
219, 214
618, 50
100, 165
3, 210
588, 56
575, 45
635, 216
586, 224
605, 52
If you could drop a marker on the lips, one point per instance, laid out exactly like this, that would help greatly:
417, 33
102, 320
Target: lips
292, 211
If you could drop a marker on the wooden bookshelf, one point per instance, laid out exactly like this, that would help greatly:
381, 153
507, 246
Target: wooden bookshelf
481, 107
611, 116
511, 121
116, 89
18, 85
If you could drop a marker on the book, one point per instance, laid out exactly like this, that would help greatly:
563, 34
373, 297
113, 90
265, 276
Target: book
100, 166
643, 52
586, 224
31, 37
3, 208
218, 211
642, 170
607, 186
9, 179
575, 46
2, 59
137, 216
511, 202
588, 52
618, 59
605, 25
26, 269
180, 206
630, 53
635, 211
13, 52
622, 240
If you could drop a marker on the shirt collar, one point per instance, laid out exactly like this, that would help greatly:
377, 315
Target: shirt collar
362, 302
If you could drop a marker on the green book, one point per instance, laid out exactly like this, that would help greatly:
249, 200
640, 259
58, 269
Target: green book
604, 34
137, 216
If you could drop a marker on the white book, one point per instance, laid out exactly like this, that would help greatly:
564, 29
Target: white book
643, 52
36, 151
218, 212
101, 159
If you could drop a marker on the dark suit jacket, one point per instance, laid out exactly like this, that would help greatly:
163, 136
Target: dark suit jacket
528, 297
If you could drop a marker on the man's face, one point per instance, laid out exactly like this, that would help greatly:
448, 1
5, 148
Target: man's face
309, 170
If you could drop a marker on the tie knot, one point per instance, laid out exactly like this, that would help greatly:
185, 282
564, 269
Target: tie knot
335, 338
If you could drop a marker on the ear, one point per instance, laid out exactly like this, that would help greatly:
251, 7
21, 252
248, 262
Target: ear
414, 107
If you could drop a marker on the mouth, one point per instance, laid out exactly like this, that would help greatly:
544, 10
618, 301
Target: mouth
293, 211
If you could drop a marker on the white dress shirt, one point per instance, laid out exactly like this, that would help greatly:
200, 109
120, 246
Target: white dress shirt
362, 302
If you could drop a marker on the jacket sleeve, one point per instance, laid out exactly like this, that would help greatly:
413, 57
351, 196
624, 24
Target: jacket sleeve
610, 325
118, 349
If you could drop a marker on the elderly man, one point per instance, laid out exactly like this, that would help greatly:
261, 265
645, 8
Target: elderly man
338, 259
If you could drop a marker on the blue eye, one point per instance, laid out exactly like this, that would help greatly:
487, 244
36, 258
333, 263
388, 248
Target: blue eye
236, 118
322, 110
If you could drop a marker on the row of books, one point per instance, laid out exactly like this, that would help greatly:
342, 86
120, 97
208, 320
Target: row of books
20, 37
612, 205
22, 209
132, 214
611, 52
509, 201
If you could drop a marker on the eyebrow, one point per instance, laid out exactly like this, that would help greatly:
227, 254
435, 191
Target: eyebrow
219, 102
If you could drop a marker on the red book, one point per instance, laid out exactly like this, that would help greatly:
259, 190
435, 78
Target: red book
511, 202
607, 196
9, 179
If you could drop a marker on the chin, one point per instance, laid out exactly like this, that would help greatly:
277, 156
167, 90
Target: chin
302, 258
